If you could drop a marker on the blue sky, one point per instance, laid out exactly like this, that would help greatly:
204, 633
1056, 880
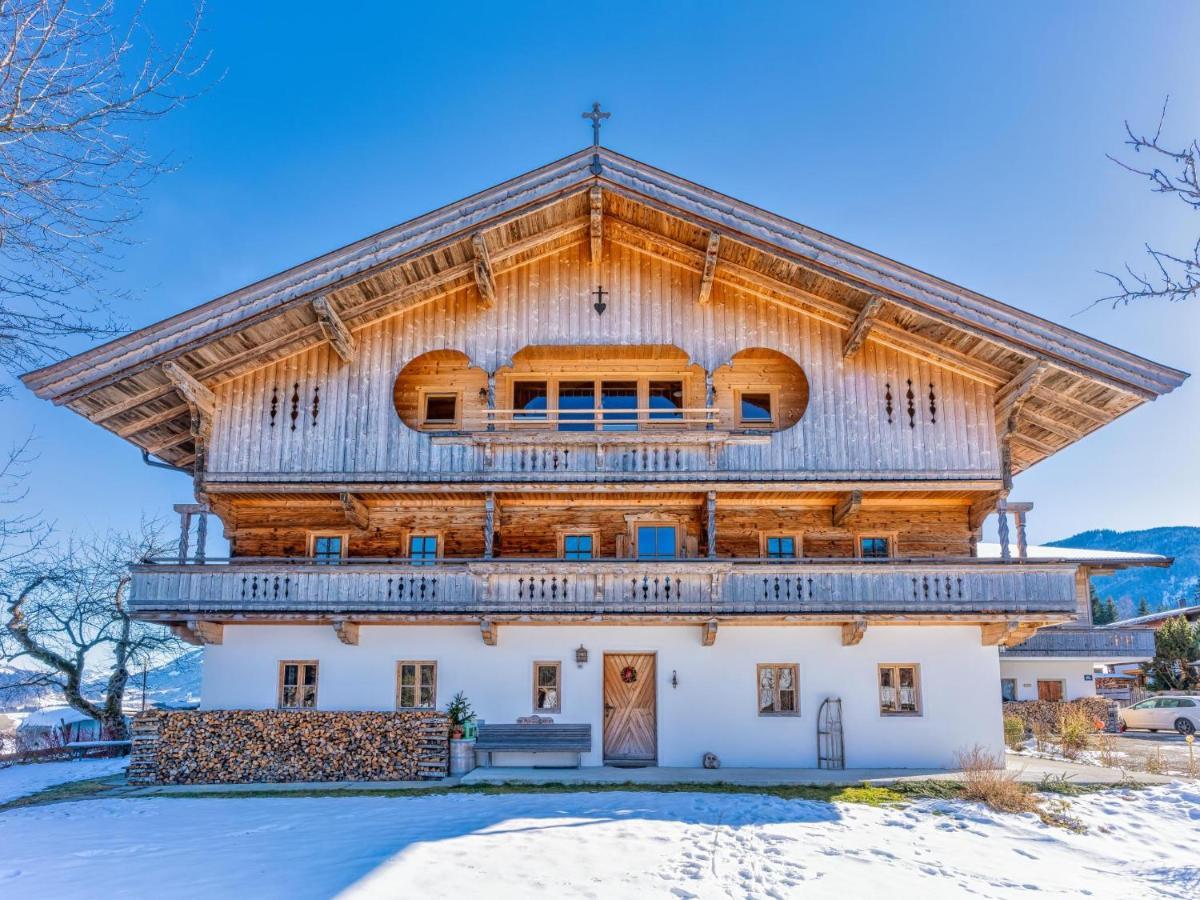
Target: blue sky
965, 140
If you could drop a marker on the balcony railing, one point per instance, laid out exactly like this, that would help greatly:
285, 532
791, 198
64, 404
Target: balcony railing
605, 420
686, 587
1071, 641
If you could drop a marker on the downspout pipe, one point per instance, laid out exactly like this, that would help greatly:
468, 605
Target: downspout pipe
158, 464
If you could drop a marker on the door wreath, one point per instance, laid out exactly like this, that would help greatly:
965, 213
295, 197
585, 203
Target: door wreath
629, 674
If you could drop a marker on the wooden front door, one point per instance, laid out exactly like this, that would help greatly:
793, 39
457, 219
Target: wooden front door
630, 721
1050, 690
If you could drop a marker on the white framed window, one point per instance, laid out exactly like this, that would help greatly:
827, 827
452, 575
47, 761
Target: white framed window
899, 689
778, 689
416, 684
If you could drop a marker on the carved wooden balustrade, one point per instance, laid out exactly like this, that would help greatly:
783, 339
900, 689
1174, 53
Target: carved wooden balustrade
1136, 643
685, 587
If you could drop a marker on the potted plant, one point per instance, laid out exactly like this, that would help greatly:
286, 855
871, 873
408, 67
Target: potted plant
460, 713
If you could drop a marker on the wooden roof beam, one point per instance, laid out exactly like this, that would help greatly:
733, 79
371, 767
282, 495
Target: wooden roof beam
710, 268
847, 507
1011, 397
333, 328
852, 632
357, 512
199, 633
708, 633
485, 277
347, 632
862, 326
595, 226
196, 394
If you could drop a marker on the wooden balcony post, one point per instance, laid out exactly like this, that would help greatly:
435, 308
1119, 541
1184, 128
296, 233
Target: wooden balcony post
202, 537
1002, 512
712, 525
185, 527
708, 400
491, 401
489, 525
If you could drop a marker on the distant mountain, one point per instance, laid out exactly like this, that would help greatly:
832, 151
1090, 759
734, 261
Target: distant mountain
175, 683
1162, 588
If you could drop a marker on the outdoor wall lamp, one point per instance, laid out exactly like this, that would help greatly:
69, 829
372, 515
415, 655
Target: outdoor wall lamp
581, 656
674, 679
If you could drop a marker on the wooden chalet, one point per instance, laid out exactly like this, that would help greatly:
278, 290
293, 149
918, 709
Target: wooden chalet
602, 444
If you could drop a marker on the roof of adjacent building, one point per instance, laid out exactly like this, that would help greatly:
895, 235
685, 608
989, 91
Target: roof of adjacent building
1080, 555
53, 716
1074, 383
1187, 612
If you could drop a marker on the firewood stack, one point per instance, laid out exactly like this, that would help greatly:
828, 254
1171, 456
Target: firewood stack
248, 746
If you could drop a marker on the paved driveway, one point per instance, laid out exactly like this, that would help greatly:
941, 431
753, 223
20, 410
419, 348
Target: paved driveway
1172, 747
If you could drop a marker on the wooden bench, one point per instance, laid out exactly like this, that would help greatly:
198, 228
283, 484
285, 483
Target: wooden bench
531, 738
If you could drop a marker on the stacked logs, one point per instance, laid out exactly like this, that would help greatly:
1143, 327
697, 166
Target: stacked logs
247, 746
1046, 714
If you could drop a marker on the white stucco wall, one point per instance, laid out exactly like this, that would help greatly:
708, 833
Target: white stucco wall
712, 709
1070, 671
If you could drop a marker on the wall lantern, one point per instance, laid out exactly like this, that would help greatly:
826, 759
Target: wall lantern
581, 656
674, 679
483, 395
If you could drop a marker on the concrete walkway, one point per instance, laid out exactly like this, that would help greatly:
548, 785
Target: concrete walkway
1028, 769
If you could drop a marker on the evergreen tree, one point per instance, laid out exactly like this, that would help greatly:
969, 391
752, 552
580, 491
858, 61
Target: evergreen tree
1176, 647
1143, 608
1110, 611
1097, 607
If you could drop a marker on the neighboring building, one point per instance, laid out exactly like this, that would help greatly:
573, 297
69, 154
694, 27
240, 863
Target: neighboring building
56, 727
1156, 620
604, 445
1066, 662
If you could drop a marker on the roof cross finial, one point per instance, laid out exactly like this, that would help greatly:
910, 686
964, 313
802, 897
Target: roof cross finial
597, 117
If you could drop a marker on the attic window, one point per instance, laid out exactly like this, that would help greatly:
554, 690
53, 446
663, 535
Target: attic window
755, 409
440, 411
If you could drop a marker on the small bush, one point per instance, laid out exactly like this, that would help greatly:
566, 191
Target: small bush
1041, 736
1154, 763
986, 781
1075, 729
1106, 747
1014, 732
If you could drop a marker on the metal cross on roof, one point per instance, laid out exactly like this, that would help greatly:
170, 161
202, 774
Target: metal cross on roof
596, 116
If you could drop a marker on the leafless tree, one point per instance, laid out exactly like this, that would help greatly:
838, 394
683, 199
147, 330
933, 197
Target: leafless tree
65, 618
77, 77
1172, 171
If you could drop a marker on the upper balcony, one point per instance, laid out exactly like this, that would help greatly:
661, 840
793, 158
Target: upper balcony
596, 413
1017, 594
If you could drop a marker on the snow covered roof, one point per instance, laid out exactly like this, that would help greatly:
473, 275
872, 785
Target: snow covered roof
1079, 554
1188, 612
53, 716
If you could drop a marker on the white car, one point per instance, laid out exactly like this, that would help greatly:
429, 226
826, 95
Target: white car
1181, 714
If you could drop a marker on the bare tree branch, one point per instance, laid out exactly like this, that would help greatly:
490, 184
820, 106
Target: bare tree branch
77, 77
66, 615
1171, 171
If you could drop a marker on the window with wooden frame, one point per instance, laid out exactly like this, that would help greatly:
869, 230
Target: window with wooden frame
899, 689
547, 687
416, 684
778, 689
874, 546
440, 410
327, 547
656, 540
591, 402
298, 684
577, 544
424, 549
756, 407
779, 546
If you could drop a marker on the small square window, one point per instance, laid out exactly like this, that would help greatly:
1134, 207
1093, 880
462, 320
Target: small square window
755, 409
781, 546
778, 689
874, 548
656, 542
423, 549
547, 693
899, 690
441, 410
577, 546
327, 549
297, 684
416, 684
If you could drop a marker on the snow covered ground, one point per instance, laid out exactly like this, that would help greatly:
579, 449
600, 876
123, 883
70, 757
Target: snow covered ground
29, 778
622, 844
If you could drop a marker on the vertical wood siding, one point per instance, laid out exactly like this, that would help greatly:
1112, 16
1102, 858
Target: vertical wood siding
844, 431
